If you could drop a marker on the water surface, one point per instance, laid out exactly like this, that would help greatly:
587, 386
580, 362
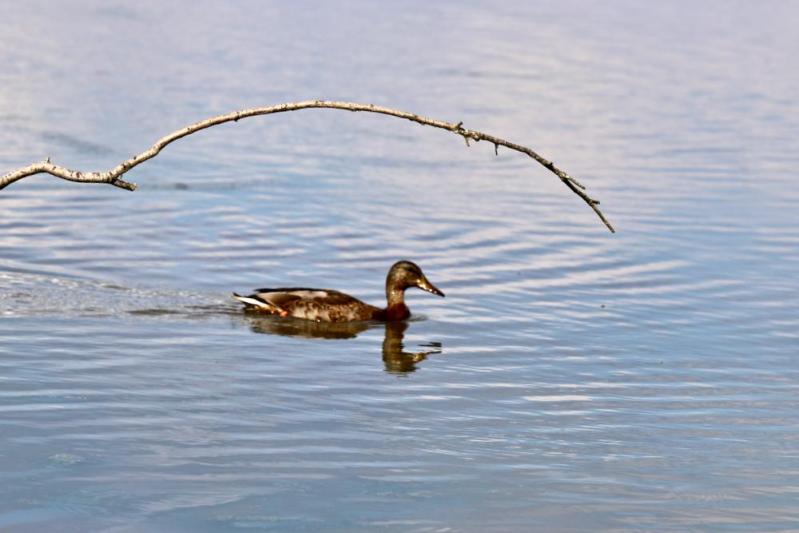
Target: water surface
570, 380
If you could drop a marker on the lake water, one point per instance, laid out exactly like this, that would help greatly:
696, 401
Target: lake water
571, 380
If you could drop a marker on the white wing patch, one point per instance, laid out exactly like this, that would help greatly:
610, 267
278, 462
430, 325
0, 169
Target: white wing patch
307, 295
279, 298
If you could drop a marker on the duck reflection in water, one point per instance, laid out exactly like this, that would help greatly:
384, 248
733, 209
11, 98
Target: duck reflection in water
395, 358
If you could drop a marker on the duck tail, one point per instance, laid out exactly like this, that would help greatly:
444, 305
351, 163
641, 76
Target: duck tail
253, 301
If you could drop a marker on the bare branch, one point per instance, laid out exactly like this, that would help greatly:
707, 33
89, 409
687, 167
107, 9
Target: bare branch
112, 176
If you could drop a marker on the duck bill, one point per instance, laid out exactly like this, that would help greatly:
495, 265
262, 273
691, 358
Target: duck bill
429, 287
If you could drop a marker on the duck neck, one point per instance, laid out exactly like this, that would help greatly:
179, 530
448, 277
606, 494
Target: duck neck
396, 309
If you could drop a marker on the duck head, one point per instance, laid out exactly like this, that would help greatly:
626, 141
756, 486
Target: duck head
405, 274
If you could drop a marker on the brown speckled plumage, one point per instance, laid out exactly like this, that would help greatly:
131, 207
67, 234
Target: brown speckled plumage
325, 305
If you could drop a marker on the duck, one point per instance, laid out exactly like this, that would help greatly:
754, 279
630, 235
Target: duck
326, 305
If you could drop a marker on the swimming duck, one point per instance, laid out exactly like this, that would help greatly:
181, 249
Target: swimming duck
324, 305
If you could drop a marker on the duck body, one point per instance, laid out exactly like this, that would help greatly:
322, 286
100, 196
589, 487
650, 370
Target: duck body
327, 305
321, 305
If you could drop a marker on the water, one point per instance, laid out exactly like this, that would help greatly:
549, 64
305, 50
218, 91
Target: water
571, 380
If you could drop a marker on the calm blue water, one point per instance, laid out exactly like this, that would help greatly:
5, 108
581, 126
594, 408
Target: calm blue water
571, 380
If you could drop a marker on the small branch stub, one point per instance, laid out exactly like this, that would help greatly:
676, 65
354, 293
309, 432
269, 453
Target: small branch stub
112, 177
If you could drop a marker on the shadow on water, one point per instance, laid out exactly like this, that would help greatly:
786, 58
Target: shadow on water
395, 358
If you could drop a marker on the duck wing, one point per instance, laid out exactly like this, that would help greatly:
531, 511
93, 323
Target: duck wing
285, 297
311, 304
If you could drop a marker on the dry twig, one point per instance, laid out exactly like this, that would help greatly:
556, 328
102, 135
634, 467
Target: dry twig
112, 176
